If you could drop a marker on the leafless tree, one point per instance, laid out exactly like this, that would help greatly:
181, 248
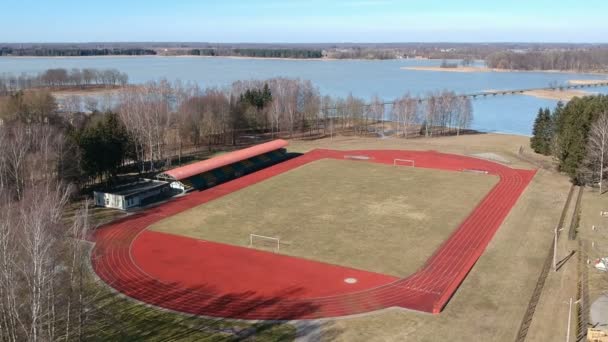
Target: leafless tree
72, 104
15, 156
430, 114
34, 240
376, 109
355, 111
465, 114
405, 112
597, 148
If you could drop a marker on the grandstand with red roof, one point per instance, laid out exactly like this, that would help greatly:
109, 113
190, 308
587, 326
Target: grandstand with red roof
208, 173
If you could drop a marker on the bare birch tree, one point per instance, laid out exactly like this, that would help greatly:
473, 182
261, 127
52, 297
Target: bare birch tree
405, 112
597, 148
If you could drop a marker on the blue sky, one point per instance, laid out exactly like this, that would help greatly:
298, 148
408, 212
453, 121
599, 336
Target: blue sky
304, 20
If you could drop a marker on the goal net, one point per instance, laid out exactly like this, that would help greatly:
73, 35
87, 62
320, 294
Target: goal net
264, 242
404, 162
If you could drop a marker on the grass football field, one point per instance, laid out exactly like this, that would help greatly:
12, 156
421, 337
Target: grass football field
363, 215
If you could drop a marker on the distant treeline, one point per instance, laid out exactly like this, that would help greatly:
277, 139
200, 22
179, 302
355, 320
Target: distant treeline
59, 78
364, 53
260, 53
566, 60
75, 52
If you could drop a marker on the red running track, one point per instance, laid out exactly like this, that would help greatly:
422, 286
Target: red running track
212, 279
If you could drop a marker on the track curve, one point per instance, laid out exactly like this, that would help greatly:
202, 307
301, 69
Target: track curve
428, 290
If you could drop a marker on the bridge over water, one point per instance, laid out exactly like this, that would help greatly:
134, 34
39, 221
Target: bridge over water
488, 93
521, 91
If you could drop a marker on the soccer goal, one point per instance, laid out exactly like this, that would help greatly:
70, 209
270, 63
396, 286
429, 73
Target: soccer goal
404, 162
265, 242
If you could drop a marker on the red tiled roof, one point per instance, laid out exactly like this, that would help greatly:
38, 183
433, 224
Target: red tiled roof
225, 159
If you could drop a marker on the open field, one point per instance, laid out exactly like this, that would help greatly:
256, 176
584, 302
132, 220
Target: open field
368, 216
63, 93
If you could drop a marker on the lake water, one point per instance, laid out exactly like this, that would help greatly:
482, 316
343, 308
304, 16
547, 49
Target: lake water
506, 114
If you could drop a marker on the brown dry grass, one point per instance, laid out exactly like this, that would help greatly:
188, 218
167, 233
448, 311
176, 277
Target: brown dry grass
560, 95
577, 82
595, 240
491, 302
368, 216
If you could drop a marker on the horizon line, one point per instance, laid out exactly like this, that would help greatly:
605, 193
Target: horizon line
310, 42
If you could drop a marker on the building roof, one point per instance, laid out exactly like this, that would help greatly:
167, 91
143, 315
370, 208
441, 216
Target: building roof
134, 188
223, 160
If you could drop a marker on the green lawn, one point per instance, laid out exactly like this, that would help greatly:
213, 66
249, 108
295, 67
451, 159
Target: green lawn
364, 215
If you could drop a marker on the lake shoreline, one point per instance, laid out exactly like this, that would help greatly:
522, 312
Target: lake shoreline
496, 70
209, 57
459, 69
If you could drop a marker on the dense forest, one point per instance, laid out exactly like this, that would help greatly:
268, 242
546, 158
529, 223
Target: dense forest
565, 60
259, 53
72, 52
576, 134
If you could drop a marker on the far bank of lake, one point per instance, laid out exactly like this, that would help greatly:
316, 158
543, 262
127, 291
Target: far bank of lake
365, 78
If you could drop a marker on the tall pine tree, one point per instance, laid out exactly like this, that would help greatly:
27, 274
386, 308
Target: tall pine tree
542, 132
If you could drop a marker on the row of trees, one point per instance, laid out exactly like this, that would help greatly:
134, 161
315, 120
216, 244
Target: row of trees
72, 52
438, 113
259, 53
364, 53
577, 60
163, 117
155, 122
55, 78
576, 134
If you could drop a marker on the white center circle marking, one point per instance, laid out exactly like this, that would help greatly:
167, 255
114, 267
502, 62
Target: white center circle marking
350, 280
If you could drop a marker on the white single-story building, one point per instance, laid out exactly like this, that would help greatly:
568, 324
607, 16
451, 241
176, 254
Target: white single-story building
140, 193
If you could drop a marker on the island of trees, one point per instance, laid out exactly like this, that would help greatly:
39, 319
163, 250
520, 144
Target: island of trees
73, 52
60, 78
583, 60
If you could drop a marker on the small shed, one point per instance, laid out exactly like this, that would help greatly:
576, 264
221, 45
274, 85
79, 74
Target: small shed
135, 194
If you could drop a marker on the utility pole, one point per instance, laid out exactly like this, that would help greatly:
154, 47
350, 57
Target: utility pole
569, 320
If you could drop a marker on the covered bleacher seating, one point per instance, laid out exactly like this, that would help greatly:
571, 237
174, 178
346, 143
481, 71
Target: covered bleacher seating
208, 173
